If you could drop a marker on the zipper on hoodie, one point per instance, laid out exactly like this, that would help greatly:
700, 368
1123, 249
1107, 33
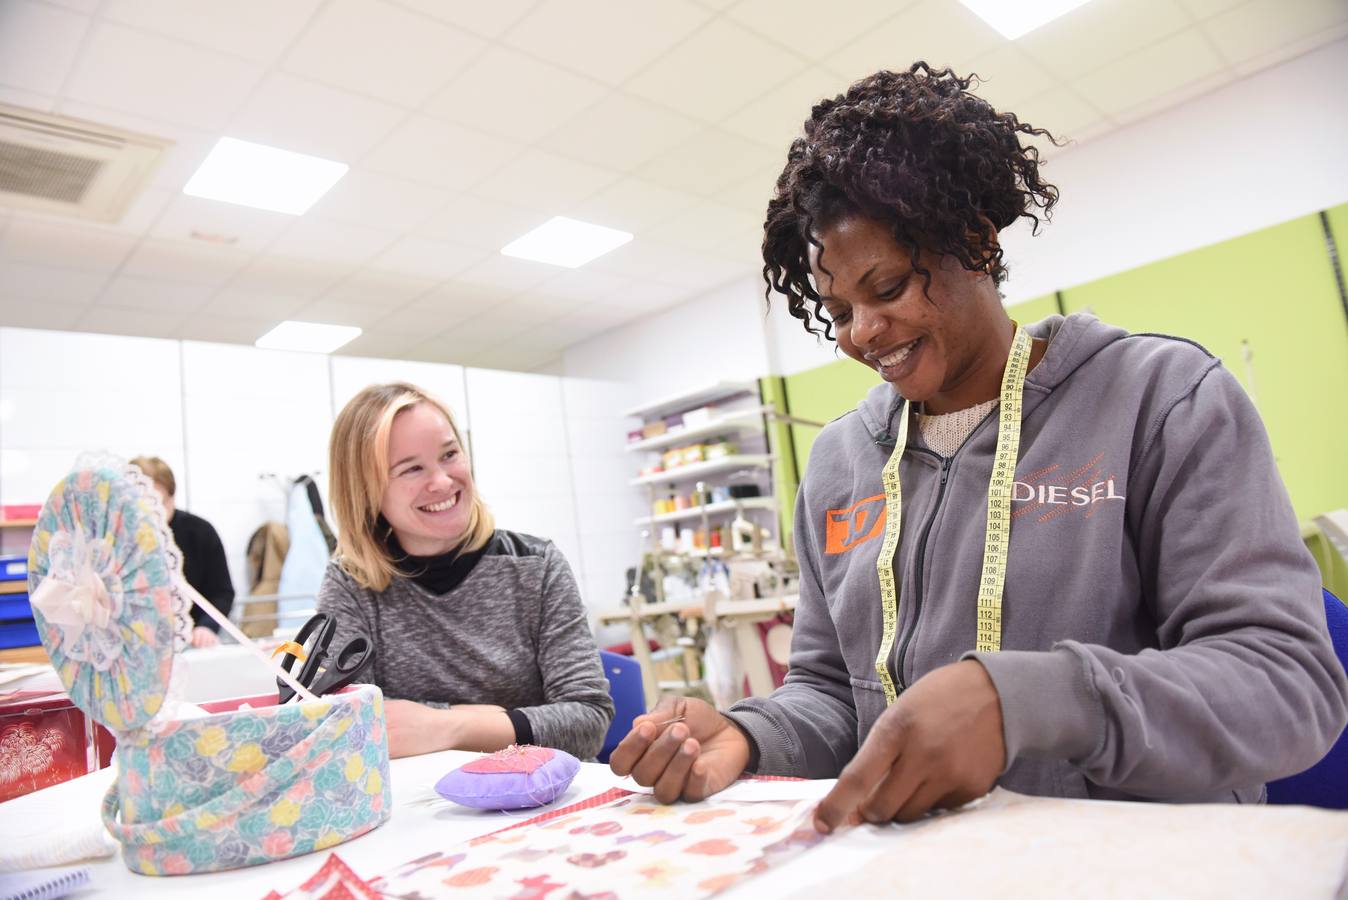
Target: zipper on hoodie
921, 553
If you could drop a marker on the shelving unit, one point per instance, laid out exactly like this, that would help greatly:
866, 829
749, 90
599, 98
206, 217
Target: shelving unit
705, 469
710, 509
747, 421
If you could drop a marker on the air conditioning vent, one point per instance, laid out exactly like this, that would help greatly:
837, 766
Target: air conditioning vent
66, 166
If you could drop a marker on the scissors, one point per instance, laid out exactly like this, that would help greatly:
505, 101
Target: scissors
323, 673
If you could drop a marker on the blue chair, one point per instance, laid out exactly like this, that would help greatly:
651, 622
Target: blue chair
629, 697
1324, 784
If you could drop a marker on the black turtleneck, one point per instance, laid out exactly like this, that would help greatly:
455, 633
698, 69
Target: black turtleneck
438, 574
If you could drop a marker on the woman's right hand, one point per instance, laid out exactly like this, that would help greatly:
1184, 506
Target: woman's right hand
690, 759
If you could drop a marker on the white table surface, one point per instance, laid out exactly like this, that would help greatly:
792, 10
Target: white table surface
422, 823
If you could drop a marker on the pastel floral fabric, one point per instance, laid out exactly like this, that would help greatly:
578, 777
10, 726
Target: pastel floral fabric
103, 574
252, 786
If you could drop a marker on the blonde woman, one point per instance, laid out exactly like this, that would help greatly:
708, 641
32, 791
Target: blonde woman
480, 636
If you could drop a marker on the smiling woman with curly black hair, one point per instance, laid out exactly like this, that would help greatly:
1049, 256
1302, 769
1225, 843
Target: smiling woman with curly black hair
1056, 557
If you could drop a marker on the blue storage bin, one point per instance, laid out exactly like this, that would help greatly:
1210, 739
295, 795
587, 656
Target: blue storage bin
13, 568
15, 606
18, 634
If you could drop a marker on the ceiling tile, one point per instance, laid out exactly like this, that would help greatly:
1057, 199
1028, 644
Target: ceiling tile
605, 39
1203, 9
224, 330
620, 132
441, 154
1261, 27
380, 201
238, 303
506, 273
25, 99
507, 93
335, 242
382, 51
753, 193
215, 224
38, 44
776, 118
715, 230
254, 29
45, 284
645, 296
942, 32
184, 157
717, 70
1061, 110
155, 295
545, 182
383, 289
494, 325
450, 303
307, 117
279, 276
1148, 74
802, 24
134, 322
188, 262
1173, 97
442, 350
378, 345
475, 222
579, 287
18, 313
511, 359
415, 323
424, 257
1292, 49
88, 7
486, 19
161, 78
1007, 75
632, 205
671, 264
1098, 33
44, 243
335, 312
709, 162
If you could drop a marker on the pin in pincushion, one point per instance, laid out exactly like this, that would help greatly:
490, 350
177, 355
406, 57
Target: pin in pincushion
518, 777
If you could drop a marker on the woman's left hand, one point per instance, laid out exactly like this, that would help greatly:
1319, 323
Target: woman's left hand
204, 637
938, 746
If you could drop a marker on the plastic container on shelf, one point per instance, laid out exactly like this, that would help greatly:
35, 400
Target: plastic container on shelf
13, 568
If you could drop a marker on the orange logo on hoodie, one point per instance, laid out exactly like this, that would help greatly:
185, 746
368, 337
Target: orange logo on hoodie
845, 529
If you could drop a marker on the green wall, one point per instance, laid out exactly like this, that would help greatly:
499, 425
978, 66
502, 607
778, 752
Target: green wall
1267, 304
1272, 293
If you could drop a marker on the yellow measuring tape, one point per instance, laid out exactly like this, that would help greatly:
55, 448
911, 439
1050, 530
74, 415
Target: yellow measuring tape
992, 577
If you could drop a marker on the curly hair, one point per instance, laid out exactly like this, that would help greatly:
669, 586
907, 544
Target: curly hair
914, 150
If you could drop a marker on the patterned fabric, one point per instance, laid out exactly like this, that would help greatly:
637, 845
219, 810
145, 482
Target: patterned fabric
104, 575
251, 786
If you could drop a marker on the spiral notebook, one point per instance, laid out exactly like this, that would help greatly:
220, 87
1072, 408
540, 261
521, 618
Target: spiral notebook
42, 884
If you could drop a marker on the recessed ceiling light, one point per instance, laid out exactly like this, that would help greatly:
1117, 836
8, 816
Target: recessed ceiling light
264, 177
307, 337
1014, 18
566, 242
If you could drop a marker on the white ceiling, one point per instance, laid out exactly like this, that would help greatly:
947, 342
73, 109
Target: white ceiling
467, 123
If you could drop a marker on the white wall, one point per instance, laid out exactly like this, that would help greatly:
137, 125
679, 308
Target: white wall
222, 415
1263, 150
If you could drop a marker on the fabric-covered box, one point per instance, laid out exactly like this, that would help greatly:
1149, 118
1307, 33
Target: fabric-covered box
247, 786
248, 783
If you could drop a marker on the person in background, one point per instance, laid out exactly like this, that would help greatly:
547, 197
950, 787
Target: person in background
480, 636
204, 564
1153, 627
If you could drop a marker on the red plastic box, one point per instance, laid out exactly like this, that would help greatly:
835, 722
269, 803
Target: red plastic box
45, 740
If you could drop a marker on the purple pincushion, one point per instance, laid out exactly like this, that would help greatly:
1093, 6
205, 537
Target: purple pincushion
518, 777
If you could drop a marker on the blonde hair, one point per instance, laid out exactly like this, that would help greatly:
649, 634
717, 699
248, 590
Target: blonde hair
358, 476
158, 471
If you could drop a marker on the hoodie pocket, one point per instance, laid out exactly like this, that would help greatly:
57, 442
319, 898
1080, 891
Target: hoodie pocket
869, 699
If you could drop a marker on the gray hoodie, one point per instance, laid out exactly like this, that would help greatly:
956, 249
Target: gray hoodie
1163, 631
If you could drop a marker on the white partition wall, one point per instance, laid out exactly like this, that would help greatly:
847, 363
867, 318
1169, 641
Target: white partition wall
600, 465
520, 460
63, 393
251, 413
351, 374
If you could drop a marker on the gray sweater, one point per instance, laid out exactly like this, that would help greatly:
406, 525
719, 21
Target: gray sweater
512, 633
1163, 631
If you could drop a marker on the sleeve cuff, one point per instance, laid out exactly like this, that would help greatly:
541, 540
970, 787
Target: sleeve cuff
1049, 708
767, 742
524, 732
